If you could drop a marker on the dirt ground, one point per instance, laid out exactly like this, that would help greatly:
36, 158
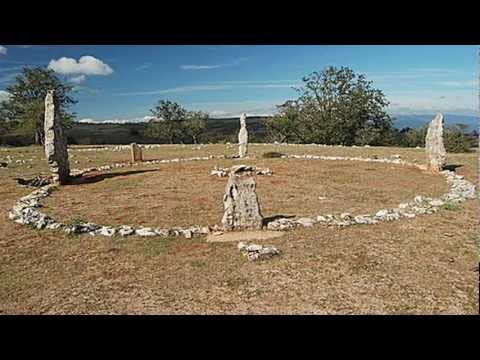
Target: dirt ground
421, 266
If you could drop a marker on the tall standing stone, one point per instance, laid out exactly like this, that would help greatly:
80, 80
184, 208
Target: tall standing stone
436, 153
240, 202
55, 143
243, 136
136, 152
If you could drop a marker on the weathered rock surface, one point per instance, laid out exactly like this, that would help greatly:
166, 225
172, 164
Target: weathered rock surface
37, 181
55, 143
136, 152
223, 172
240, 202
436, 153
257, 252
243, 136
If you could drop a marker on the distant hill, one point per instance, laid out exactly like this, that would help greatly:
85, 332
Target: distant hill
415, 121
110, 133
219, 129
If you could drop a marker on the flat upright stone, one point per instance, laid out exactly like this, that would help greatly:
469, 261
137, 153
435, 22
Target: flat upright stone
55, 143
136, 152
436, 153
243, 136
240, 202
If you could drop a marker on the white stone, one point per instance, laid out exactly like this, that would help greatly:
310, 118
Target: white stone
306, 222
243, 136
55, 143
435, 150
240, 202
145, 231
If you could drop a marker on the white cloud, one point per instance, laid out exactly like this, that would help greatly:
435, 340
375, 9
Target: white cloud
8, 77
199, 67
4, 95
78, 79
461, 102
143, 67
116, 121
221, 85
180, 89
460, 83
3, 50
15, 68
216, 66
217, 113
235, 109
86, 65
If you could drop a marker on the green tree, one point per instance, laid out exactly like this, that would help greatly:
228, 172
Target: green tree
25, 106
169, 122
414, 137
195, 124
335, 106
456, 140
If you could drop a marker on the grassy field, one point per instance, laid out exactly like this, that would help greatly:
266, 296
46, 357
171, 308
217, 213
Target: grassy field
424, 265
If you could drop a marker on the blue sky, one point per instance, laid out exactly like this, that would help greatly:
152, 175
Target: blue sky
124, 82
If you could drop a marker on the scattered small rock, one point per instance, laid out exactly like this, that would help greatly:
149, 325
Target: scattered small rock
257, 252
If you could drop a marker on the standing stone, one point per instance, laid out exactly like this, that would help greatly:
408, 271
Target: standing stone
436, 154
243, 136
240, 202
55, 143
136, 152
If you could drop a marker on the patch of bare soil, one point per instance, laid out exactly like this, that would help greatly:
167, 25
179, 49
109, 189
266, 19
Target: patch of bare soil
185, 194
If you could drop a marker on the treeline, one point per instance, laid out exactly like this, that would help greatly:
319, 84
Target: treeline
334, 106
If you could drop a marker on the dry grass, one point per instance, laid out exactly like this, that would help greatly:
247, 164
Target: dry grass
185, 194
424, 265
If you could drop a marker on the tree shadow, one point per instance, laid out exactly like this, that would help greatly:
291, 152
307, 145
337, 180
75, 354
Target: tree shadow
276, 217
452, 167
91, 179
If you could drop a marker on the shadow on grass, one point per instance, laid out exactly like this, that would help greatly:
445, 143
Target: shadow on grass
276, 217
452, 167
100, 177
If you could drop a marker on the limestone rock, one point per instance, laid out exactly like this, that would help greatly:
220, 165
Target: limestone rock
136, 152
37, 181
145, 231
243, 136
306, 222
240, 202
282, 224
126, 230
436, 153
55, 143
257, 252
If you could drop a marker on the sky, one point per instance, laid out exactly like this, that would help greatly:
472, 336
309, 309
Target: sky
123, 82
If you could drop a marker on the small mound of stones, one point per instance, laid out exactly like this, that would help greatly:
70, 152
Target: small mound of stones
223, 172
255, 252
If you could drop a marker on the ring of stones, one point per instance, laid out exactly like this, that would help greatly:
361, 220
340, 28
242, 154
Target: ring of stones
25, 211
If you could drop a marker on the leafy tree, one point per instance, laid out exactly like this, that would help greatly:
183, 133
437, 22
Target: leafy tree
335, 106
287, 125
414, 137
25, 106
456, 140
169, 121
195, 124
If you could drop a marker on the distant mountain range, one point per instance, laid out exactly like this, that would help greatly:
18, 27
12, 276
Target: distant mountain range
415, 121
